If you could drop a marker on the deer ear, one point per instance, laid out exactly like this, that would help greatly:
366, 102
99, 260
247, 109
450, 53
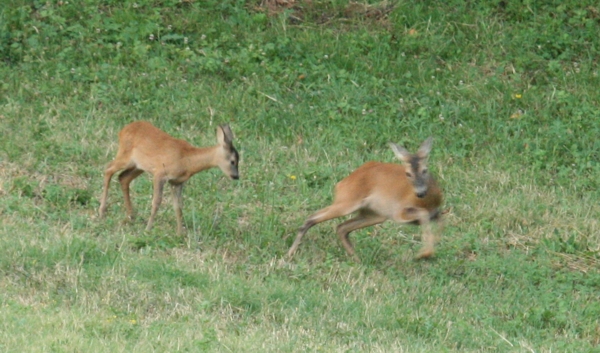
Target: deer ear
425, 148
224, 135
400, 152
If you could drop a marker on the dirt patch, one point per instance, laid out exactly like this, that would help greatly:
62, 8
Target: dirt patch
299, 11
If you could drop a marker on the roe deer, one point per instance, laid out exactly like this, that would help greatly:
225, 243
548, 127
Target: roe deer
145, 148
380, 191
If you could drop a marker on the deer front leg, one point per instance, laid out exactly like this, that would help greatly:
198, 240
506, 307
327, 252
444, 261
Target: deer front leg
422, 217
428, 237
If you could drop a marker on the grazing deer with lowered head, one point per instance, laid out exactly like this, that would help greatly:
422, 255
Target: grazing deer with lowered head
145, 148
380, 191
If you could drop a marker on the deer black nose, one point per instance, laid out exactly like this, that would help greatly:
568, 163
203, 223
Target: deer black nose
235, 177
421, 194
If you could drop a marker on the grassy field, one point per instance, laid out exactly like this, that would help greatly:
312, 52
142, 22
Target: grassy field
311, 90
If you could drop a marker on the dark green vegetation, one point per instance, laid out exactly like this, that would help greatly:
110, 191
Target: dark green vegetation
509, 89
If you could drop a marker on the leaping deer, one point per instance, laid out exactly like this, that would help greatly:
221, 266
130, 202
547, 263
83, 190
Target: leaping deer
404, 193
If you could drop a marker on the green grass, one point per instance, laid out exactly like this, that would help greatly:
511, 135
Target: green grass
507, 89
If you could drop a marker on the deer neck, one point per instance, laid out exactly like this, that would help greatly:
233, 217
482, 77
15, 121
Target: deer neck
199, 159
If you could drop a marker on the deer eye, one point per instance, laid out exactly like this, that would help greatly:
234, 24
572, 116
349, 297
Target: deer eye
409, 174
424, 171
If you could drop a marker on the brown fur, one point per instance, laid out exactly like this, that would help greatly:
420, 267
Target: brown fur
145, 148
381, 191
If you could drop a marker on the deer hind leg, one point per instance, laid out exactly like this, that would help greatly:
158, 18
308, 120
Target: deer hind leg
159, 184
334, 211
362, 220
125, 178
110, 170
178, 206
108, 173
